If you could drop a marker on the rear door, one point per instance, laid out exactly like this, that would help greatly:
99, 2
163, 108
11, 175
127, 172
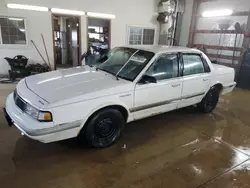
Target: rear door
196, 79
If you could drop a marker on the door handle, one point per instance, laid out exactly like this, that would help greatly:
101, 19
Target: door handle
176, 85
205, 79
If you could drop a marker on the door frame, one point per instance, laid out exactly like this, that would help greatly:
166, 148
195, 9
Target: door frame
53, 36
87, 30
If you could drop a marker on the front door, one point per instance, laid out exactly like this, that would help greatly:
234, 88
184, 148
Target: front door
162, 96
196, 79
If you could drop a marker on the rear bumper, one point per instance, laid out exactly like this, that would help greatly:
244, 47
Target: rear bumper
41, 131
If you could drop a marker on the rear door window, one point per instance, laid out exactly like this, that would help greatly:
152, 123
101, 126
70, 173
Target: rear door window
193, 64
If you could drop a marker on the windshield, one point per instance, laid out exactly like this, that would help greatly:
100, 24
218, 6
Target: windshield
125, 63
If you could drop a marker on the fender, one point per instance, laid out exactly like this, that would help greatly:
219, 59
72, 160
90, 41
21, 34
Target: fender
99, 107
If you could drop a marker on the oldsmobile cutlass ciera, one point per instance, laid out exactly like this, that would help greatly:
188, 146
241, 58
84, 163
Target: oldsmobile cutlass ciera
129, 84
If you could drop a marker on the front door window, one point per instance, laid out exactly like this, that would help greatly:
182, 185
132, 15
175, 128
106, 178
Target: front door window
165, 67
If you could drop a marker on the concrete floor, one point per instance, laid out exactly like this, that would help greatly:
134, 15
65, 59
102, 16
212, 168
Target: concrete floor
177, 149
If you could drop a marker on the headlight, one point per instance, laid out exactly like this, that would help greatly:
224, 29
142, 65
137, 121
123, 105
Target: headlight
36, 114
33, 112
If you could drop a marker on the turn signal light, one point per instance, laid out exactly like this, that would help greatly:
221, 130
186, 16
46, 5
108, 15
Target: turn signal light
45, 116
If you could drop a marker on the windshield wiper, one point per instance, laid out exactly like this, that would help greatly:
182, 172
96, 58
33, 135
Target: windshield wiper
122, 77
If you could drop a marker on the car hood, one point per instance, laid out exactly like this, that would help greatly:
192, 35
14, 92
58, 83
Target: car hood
69, 83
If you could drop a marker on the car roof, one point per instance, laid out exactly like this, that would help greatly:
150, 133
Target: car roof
164, 49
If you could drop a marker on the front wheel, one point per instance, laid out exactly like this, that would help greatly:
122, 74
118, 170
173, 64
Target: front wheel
210, 101
104, 128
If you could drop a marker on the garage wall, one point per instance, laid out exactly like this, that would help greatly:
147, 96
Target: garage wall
127, 12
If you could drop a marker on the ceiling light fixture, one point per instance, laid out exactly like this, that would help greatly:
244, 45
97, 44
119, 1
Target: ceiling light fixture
16, 19
217, 13
28, 7
21, 29
100, 15
66, 11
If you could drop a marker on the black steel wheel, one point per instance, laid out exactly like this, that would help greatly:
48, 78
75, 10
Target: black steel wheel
104, 128
209, 102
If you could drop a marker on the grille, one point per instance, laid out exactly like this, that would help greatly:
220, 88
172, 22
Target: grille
19, 101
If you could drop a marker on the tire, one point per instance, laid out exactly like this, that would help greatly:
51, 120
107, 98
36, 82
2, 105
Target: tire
209, 102
104, 128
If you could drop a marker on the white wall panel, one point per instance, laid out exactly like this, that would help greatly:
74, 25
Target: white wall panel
129, 12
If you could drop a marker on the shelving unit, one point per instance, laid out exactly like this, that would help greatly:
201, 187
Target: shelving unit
224, 59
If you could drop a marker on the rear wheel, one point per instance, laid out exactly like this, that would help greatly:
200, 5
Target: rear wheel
210, 101
104, 128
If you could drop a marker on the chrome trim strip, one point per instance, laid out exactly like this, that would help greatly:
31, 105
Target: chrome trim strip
191, 96
126, 95
140, 108
55, 129
225, 87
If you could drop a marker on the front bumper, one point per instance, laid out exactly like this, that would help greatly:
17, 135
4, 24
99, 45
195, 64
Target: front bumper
41, 131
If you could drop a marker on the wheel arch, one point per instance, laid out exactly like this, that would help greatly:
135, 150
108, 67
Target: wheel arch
218, 86
122, 109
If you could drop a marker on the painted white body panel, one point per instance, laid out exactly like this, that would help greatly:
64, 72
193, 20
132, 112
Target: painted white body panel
163, 91
73, 95
197, 84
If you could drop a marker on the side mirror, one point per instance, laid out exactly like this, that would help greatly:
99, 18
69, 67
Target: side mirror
145, 79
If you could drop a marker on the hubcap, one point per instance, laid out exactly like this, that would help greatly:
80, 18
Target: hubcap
105, 129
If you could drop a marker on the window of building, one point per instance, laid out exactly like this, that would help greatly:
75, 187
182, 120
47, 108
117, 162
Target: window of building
12, 31
165, 67
192, 64
140, 36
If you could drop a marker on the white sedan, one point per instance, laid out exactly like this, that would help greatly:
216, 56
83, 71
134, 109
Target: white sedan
130, 83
